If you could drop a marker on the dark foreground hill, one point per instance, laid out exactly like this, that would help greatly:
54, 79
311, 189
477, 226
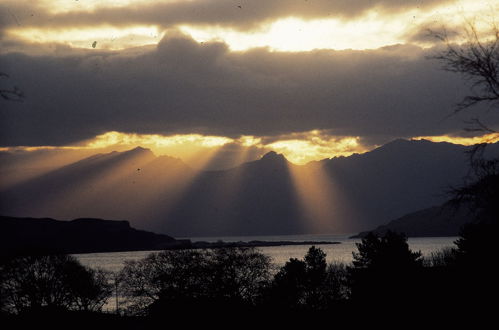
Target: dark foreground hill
20, 236
28, 235
436, 221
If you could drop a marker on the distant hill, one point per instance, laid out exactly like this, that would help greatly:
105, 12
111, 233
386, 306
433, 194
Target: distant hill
437, 221
28, 235
269, 196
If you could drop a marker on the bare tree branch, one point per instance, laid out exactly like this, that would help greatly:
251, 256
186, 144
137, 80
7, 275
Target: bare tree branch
477, 60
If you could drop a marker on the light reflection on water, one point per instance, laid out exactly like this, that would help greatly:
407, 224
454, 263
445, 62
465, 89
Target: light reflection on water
114, 261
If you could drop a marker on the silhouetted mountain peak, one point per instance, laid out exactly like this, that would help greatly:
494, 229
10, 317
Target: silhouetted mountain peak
398, 143
165, 161
139, 150
273, 156
398, 146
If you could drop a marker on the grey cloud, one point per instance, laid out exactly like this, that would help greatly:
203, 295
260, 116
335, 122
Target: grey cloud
427, 32
186, 87
241, 14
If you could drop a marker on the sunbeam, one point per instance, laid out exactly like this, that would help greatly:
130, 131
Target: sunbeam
320, 201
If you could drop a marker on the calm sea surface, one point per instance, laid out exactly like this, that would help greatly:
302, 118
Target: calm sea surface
342, 252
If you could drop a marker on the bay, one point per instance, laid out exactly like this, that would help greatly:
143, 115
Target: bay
114, 261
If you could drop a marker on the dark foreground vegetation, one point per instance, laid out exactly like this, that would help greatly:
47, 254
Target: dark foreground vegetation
385, 277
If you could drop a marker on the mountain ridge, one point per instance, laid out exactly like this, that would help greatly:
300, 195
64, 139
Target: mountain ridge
27, 235
268, 196
436, 221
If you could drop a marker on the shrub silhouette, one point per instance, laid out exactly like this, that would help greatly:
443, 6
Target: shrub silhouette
444, 258
53, 282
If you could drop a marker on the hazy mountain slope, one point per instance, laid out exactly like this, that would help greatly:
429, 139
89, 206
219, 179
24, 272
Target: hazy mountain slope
435, 221
254, 198
398, 178
117, 185
267, 196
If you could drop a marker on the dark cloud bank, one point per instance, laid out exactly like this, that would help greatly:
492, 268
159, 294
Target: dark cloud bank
185, 87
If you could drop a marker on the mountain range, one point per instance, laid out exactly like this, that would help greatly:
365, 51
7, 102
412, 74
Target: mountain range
269, 196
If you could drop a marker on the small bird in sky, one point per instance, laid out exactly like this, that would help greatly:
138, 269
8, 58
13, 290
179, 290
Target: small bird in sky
94, 44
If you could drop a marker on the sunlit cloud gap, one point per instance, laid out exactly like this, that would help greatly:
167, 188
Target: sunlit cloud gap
467, 141
105, 37
299, 148
292, 34
64, 6
314, 145
205, 152
372, 30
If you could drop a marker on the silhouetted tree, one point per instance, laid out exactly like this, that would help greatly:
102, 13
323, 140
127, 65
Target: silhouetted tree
310, 283
477, 60
477, 245
384, 268
289, 284
54, 282
481, 192
195, 278
337, 283
385, 252
238, 275
316, 292
169, 276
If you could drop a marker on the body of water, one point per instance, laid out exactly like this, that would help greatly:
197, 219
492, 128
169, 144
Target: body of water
114, 261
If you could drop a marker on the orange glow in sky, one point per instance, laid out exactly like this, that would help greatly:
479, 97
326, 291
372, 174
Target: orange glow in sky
467, 141
199, 150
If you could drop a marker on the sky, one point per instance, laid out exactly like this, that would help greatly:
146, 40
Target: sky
225, 81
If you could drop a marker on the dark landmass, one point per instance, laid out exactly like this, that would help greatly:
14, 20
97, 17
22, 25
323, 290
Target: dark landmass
25, 235
437, 221
32, 235
221, 244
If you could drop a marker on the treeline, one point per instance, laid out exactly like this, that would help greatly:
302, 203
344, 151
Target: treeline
384, 275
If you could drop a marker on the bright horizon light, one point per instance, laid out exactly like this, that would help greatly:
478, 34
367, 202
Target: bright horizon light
462, 140
372, 30
298, 148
